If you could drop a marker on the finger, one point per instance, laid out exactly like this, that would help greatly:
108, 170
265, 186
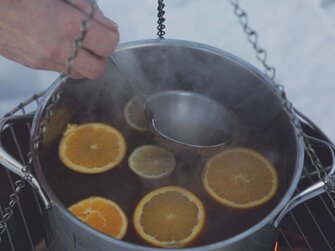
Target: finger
73, 73
85, 6
89, 65
99, 16
76, 75
99, 39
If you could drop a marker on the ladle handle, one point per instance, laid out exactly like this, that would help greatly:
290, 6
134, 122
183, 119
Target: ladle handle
315, 189
15, 166
142, 88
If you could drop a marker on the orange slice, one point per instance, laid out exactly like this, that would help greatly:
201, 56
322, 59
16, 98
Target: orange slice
169, 217
240, 178
152, 162
103, 215
134, 115
91, 148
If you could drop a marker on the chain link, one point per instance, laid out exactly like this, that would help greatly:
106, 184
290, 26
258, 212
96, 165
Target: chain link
49, 111
161, 19
25, 103
252, 36
270, 71
8, 211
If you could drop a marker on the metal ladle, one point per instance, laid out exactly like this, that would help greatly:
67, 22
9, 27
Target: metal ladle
186, 119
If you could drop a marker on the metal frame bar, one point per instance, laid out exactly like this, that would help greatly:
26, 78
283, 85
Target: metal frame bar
21, 109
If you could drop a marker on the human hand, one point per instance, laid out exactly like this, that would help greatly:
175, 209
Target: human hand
40, 34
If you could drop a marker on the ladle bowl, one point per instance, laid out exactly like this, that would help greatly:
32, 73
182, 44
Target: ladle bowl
187, 119
183, 119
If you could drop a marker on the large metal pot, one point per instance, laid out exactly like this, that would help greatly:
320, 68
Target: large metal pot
262, 124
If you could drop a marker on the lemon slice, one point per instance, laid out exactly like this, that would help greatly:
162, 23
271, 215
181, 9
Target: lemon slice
151, 162
134, 115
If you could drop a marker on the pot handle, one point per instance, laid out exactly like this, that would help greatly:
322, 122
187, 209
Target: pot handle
315, 189
15, 166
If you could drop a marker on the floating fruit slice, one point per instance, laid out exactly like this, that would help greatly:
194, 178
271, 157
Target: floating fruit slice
91, 148
103, 215
169, 217
240, 178
152, 162
134, 114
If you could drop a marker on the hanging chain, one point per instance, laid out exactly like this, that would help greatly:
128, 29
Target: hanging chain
23, 104
161, 19
252, 36
49, 111
270, 71
8, 212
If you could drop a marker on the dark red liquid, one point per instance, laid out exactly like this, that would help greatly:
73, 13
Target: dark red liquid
126, 189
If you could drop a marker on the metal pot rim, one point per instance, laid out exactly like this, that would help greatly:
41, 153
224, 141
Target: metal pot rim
267, 220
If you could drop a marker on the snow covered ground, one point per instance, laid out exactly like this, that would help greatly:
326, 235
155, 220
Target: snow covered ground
298, 35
